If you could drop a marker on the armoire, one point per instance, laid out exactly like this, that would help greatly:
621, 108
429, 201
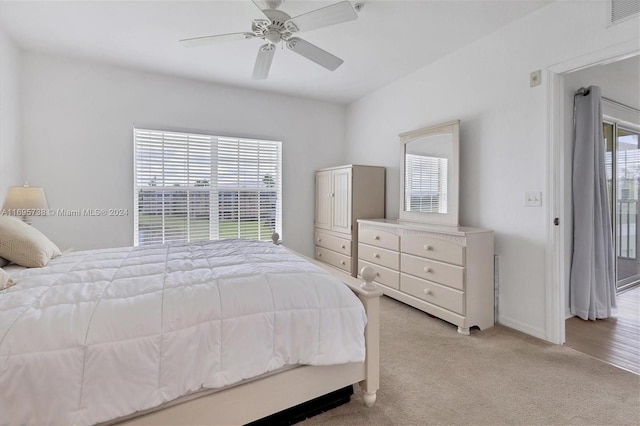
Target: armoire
345, 194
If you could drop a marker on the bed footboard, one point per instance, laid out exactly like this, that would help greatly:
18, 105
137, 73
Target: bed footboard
369, 294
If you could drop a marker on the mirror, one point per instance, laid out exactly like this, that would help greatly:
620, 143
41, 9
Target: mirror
429, 173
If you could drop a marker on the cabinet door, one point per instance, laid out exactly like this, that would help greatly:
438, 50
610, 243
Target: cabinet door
341, 217
323, 199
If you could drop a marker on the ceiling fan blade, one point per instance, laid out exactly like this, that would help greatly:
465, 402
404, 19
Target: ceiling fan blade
330, 15
314, 53
201, 41
263, 61
267, 4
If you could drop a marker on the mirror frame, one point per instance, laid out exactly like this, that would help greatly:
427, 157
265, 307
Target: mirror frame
451, 217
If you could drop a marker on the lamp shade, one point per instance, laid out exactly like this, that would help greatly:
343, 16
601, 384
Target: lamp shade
24, 198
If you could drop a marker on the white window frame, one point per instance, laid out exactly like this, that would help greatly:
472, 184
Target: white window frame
273, 149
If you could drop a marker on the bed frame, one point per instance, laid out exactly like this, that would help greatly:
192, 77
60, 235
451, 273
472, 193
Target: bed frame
269, 394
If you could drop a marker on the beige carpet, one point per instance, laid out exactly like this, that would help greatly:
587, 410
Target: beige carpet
432, 375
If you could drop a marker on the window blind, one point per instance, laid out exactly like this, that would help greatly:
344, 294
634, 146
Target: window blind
425, 184
191, 187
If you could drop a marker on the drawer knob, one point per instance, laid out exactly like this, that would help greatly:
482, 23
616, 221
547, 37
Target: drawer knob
343, 246
377, 274
342, 262
376, 255
427, 292
426, 247
377, 237
319, 254
428, 270
319, 239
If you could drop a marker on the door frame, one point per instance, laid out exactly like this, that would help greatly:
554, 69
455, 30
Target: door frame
556, 259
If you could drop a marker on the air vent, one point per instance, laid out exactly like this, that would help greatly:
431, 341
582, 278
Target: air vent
623, 9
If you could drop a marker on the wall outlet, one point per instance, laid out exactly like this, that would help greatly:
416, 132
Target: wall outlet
533, 199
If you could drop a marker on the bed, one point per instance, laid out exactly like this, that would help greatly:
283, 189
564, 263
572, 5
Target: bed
215, 332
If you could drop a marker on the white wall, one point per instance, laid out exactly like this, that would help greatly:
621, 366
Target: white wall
10, 115
78, 120
618, 81
504, 135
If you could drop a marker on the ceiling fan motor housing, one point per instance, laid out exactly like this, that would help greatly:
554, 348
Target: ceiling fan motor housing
275, 31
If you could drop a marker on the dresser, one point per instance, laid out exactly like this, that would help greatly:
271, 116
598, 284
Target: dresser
442, 270
345, 194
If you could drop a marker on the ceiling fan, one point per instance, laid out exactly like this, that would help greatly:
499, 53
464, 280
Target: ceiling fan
280, 27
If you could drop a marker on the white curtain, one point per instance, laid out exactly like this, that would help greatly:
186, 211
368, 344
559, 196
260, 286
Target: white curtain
593, 285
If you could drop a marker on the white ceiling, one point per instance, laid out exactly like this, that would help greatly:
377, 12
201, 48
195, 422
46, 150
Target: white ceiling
390, 39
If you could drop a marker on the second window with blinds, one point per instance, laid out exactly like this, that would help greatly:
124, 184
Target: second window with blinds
193, 187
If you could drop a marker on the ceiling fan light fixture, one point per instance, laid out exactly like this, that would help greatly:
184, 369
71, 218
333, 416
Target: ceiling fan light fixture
273, 36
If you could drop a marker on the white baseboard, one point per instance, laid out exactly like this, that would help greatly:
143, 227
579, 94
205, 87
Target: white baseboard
525, 328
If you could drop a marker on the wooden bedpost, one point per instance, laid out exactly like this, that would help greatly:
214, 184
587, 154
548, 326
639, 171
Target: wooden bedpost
275, 237
370, 298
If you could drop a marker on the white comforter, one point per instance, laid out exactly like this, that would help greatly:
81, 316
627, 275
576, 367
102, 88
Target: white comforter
100, 334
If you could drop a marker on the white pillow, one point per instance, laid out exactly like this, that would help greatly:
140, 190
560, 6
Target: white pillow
25, 245
5, 280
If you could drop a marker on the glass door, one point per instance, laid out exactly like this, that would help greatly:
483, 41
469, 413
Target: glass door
623, 178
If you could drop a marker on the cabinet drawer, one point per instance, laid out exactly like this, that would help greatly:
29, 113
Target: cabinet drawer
383, 275
333, 243
379, 256
332, 258
436, 294
378, 238
433, 248
443, 273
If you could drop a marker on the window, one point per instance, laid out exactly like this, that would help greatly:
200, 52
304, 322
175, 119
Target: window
191, 187
425, 184
622, 167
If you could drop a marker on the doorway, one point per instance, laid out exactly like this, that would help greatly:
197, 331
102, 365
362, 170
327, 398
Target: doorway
612, 340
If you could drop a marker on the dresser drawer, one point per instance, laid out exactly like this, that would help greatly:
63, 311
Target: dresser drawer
379, 256
383, 275
442, 273
333, 243
332, 258
377, 238
436, 294
433, 248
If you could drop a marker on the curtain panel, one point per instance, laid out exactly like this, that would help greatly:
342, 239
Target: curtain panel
593, 285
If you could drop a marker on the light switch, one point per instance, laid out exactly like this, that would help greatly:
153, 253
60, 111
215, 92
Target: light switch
535, 78
533, 199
